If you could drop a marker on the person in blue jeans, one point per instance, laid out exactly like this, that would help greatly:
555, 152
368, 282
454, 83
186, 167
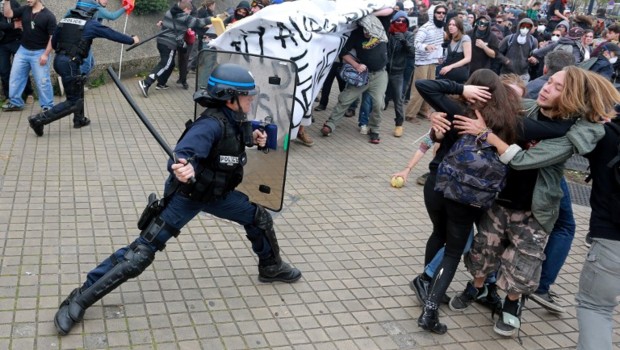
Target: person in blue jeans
38, 24
365, 109
206, 169
556, 251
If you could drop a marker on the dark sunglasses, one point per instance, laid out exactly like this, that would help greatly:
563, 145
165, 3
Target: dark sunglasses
483, 24
400, 20
440, 12
555, 35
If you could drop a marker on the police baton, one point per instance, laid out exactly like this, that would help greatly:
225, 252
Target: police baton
165, 31
143, 117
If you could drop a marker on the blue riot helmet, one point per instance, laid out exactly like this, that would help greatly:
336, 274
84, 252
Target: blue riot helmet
87, 8
229, 80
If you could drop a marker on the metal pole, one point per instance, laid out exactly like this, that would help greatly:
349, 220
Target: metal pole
120, 63
165, 31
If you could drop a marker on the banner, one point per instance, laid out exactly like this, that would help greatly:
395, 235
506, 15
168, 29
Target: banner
310, 33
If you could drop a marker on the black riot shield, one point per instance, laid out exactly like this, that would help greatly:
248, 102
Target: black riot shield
265, 172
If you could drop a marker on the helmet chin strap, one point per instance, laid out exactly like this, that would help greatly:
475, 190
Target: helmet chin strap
245, 125
242, 116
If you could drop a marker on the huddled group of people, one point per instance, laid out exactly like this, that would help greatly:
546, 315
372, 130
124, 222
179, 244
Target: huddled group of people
535, 88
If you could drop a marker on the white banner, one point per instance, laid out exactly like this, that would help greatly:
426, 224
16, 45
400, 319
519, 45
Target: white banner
309, 32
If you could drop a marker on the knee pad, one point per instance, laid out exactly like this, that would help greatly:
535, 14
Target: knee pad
262, 219
137, 259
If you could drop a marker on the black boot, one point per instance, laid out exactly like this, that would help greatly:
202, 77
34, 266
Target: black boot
429, 320
37, 123
272, 270
135, 260
80, 122
69, 313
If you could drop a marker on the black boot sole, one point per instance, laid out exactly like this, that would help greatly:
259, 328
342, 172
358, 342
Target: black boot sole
278, 279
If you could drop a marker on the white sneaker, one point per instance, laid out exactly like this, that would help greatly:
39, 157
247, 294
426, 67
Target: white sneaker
364, 129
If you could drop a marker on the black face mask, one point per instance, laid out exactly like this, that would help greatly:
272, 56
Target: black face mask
438, 23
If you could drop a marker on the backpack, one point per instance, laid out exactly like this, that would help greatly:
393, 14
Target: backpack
511, 39
471, 173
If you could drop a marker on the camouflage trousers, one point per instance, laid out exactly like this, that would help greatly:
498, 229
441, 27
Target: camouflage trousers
511, 242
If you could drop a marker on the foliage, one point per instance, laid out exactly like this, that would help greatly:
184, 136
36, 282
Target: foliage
98, 81
151, 6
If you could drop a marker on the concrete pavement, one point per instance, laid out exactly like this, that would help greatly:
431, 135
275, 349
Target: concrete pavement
72, 197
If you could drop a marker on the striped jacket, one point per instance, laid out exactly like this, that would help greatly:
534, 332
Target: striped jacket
428, 34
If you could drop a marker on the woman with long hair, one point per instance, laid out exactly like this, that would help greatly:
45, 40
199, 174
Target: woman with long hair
458, 46
453, 221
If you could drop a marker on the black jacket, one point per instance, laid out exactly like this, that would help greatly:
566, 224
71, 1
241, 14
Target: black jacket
605, 195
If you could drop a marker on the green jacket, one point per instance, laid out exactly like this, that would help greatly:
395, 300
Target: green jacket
549, 156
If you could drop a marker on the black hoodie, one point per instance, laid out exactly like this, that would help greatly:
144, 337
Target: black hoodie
479, 58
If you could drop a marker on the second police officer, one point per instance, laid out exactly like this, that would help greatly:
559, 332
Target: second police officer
72, 41
211, 155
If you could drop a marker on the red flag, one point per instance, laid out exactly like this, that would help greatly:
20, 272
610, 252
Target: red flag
129, 5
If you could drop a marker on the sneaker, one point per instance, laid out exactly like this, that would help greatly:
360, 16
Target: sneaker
320, 108
547, 301
305, 139
349, 113
374, 138
588, 240
509, 322
462, 301
492, 300
144, 88
364, 129
9, 107
183, 84
422, 179
162, 87
398, 131
326, 130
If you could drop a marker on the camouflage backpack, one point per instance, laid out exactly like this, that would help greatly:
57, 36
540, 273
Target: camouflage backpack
471, 173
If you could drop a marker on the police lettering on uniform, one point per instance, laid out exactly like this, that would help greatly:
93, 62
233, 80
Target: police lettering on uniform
72, 41
207, 167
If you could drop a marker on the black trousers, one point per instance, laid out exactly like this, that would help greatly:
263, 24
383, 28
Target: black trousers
452, 224
162, 71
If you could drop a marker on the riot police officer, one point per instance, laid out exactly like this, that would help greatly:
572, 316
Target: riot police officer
72, 41
210, 156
